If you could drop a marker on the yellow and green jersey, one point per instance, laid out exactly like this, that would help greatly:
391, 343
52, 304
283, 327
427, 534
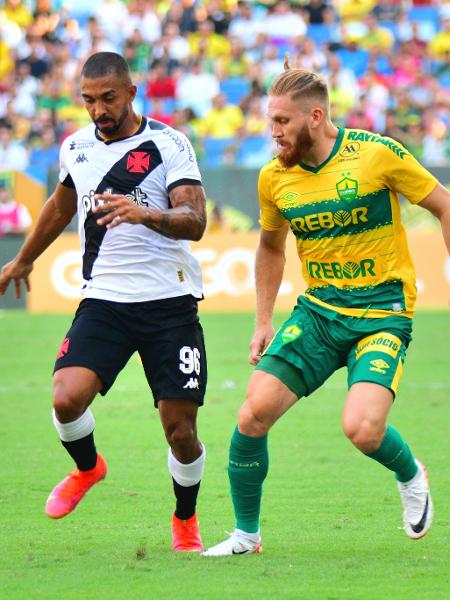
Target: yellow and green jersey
345, 215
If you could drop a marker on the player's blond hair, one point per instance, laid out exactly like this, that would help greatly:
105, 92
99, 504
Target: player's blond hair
300, 83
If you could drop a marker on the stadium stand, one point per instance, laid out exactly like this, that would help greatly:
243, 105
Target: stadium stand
394, 70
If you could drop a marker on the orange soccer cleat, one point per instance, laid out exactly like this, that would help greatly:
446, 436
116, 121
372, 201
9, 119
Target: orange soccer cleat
186, 535
66, 495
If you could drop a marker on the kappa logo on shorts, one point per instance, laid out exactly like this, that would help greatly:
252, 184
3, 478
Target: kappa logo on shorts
63, 349
192, 384
379, 365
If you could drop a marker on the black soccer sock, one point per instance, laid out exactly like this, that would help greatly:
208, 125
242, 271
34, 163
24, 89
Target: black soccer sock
83, 452
186, 499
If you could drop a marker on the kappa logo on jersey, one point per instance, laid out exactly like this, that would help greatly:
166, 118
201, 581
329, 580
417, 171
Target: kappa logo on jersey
379, 365
81, 158
138, 162
192, 384
63, 349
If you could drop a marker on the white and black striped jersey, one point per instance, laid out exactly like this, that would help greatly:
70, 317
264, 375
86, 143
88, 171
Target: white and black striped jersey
131, 263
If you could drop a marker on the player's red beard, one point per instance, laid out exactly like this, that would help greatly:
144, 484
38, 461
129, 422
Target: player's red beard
293, 155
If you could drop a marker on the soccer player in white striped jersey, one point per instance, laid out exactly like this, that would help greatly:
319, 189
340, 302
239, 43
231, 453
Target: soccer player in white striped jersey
137, 190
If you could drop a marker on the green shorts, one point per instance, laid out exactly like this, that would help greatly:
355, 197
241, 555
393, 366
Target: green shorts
309, 347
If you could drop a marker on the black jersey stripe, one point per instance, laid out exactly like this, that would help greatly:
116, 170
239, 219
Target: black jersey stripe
123, 177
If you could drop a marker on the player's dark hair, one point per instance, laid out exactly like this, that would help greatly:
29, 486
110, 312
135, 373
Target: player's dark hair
102, 64
300, 83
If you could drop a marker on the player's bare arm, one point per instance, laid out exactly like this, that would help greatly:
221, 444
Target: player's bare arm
55, 215
438, 203
269, 268
186, 219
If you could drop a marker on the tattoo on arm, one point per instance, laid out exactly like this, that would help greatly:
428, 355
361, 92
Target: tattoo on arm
187, 217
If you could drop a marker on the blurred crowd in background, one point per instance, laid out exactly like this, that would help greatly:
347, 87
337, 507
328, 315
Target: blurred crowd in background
204, 67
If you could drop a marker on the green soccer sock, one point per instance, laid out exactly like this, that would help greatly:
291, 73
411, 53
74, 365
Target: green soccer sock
394, 454
247, 469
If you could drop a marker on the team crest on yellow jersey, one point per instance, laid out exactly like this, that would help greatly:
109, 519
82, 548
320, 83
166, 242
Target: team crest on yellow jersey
347, 189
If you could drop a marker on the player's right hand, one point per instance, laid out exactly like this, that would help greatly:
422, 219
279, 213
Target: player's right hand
259, 343
16, 271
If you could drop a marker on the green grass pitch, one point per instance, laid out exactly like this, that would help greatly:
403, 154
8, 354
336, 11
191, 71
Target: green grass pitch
331, 517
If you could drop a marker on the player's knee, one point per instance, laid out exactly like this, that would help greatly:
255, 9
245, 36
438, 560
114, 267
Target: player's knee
181, 436
252, 421
67, 405
364, 434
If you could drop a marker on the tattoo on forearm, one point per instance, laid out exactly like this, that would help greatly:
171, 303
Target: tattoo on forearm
187, 219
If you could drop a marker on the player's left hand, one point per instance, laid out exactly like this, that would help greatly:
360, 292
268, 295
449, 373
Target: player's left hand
119, 209
259, 342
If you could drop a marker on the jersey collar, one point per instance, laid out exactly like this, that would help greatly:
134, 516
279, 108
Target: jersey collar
140, 129
337, 143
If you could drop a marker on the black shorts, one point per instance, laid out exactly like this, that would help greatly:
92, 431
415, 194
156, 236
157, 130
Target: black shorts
166, 334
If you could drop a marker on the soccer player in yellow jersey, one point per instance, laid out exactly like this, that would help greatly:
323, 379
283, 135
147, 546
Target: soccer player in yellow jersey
337, 190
